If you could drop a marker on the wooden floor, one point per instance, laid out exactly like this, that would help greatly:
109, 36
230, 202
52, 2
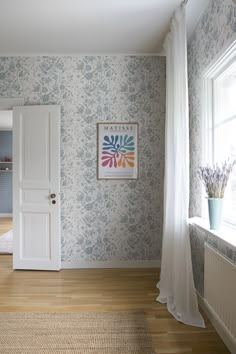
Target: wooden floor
5, 225
104, 290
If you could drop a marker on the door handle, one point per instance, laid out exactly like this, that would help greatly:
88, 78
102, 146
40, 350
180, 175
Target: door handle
53, 195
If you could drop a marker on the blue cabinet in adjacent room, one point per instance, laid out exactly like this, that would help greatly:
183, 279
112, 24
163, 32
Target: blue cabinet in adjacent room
6, 194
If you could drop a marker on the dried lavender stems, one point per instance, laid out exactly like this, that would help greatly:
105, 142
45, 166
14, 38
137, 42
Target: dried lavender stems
215, 178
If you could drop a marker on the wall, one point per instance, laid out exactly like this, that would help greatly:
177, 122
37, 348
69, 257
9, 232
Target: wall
101, 220
5, 177
216, 27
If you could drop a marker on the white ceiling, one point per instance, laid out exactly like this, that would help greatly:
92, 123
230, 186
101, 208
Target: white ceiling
6, 120
29, 27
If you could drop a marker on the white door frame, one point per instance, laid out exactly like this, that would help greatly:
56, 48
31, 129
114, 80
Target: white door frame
7, 104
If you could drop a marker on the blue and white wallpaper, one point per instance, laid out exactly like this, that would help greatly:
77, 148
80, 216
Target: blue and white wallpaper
216, 27
101, 220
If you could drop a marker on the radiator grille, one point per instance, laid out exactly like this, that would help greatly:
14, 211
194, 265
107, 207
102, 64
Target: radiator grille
220, 288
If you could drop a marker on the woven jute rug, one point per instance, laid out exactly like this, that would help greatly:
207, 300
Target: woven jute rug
82, 333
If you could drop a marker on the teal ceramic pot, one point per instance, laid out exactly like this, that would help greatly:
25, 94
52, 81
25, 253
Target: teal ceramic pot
215, 206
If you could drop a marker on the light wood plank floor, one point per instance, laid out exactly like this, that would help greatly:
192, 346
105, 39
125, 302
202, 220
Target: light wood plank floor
5, 225
104, 290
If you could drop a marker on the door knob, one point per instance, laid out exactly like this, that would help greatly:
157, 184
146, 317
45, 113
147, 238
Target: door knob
53, 195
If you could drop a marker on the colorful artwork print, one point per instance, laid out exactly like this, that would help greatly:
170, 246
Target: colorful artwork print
117, 151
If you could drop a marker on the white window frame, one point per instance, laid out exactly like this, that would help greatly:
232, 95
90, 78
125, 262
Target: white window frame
213, 72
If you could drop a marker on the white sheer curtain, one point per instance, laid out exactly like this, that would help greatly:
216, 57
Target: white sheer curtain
176, 284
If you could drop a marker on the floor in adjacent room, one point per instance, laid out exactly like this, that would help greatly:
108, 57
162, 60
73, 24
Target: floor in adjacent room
94, 290
5, 225
6, 236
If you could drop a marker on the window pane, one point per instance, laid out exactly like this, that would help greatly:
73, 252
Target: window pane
229, 210
222, 124
225, 141
226, 96
225, 147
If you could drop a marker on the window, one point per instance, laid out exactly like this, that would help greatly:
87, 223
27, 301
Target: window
219, 105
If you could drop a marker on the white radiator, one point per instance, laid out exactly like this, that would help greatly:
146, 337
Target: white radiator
220, 289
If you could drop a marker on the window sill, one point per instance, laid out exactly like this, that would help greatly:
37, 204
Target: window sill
225, 233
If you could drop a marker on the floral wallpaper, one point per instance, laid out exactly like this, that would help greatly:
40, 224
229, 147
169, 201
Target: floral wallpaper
101, 220
214, 30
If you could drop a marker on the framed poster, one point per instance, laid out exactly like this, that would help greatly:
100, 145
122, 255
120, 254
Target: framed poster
117, 150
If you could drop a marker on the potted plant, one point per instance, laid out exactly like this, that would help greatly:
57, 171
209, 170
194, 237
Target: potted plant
215, 180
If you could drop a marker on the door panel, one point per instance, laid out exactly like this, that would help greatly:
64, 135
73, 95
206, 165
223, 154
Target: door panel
36, 196
36, 177
36, 244
35, 143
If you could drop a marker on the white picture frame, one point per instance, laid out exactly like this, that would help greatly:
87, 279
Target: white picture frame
117, 151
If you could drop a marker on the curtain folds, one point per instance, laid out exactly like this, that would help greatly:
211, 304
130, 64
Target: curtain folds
176, 285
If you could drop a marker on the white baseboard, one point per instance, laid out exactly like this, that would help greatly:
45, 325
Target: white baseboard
110, 264
219, 326
5, 215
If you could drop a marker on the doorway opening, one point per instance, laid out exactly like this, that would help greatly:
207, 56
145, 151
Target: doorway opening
6, 182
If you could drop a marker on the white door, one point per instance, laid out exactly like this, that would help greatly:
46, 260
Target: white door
36, 187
